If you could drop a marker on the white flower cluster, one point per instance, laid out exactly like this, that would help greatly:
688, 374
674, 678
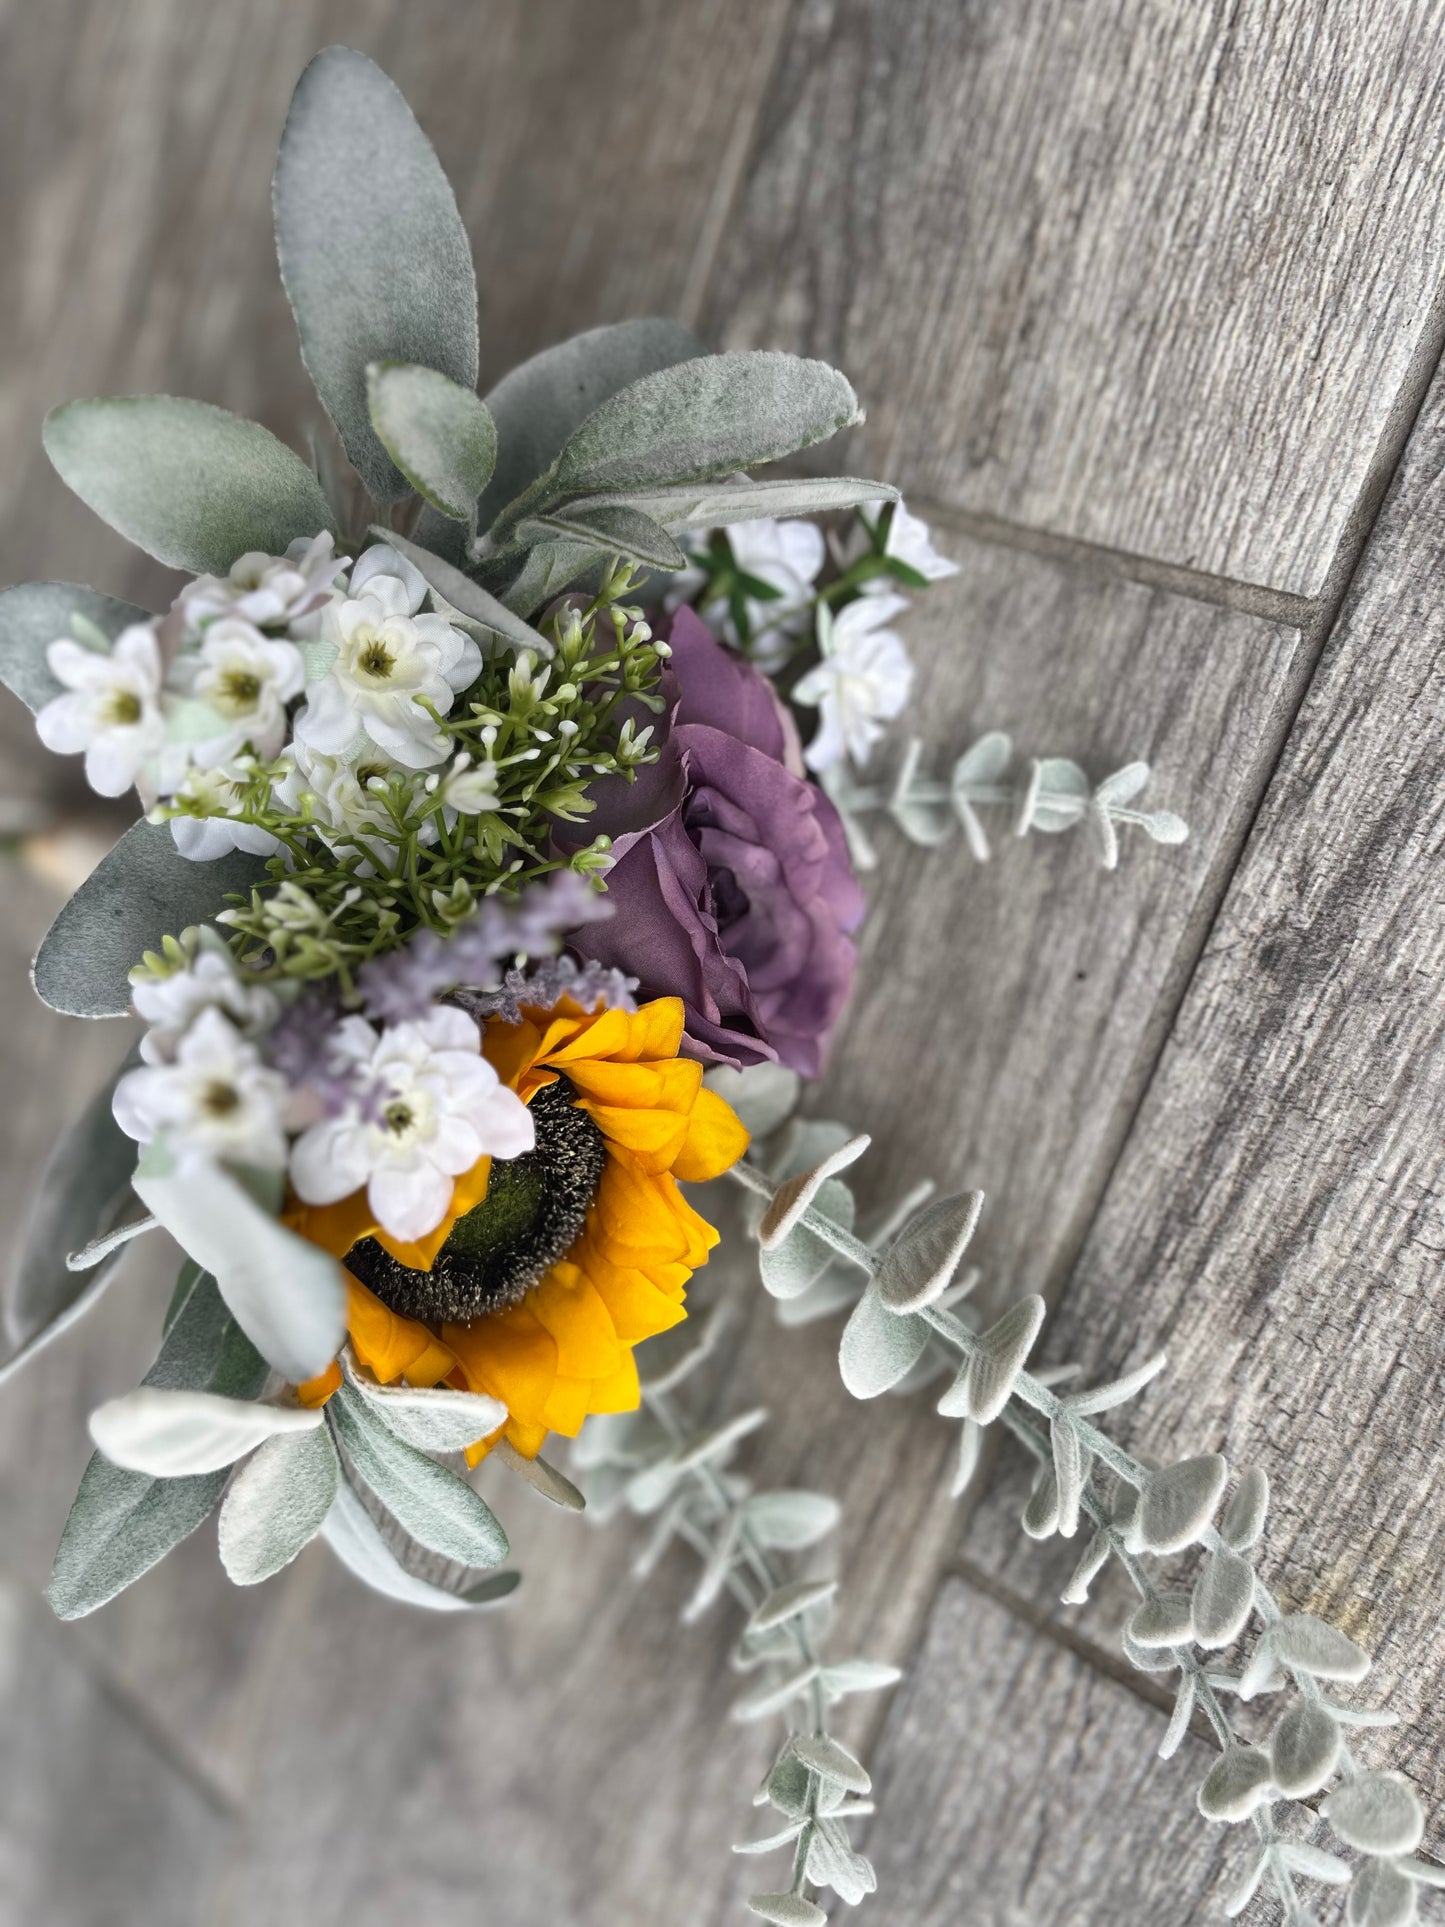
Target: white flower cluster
865, 676
399, 1110
188, 706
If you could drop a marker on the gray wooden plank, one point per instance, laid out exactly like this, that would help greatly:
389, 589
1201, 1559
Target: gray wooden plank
96, 1824
1049, 978
1032, 1791
1146, 276
1275, 1220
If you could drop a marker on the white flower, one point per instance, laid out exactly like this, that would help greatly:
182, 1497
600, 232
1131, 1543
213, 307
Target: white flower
385, 657
350, 799
442, 1107
111, 709
910, 541
269, 590
787, 556
865, 676
217, 1098
246, 680
210, 981
467, 789
214, 831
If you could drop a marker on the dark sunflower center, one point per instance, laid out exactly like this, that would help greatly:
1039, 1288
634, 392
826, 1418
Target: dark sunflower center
533, 1211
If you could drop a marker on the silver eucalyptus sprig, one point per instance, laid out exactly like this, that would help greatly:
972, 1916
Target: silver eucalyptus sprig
909, 1306
657, 1463
1049, 794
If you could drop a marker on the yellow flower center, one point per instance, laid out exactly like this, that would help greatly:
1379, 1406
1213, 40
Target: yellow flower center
123, 708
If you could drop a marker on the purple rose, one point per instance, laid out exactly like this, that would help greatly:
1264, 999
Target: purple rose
732, 887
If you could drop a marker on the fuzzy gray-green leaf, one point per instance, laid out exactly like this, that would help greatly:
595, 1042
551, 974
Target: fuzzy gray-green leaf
440, 435
1304, 1749
277, 1503
82, 1192
1178, 1502
35, 614
545, 400
879, 1347
439, 1510
1223, 1598
468, 598
352, 1534
1382, 1896
122, 1522
1236, 1784
188, 483
984, 1385
612, 528
139, 892
1380, 1813
710, 416
373, 253
919, 1266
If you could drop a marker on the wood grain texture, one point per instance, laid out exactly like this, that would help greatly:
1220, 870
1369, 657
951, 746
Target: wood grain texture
1276, 1218
1032, 1790
97, 1825
1146, 275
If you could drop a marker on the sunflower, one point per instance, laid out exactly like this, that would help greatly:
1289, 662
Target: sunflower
548, 1268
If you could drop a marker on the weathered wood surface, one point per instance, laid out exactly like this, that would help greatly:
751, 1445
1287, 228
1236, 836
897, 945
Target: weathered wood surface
1277, 1219
1146, 275
378, 1762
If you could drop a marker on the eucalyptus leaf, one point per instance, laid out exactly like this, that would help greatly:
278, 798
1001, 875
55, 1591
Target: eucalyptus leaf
918, 1268
1379, 1813
842, 1677
970, 1449
1223, 1598
541, 403
122, 1522
352, 1534
139, 892
1305, 1749
790, 1601
276, 1504
84, 1187
788, 1785
171, 1434
786, 1910
783, 1838
1243, 1519
435, 1507
1236, 1784
439, 434
1179, 1718
1313, 1646
793, 1197
832, 1863
373, 253
1314, 1863
773, 1695
35, 614
763, 1095
1163, 1620
1177, 1503
1040, 1519
831, 1760
188, 483
1096, 1555
985, 1383
879, 1347
794, 1266
790, 1521
1382, 1896
287, 1294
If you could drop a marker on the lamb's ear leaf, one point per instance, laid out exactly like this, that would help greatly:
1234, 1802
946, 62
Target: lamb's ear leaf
139, 892
440, 436
83, 1192
468, 598
355, 1538
613, 528
122, 1522
541, 403
35, 614
188, 483
711, 416
373, 253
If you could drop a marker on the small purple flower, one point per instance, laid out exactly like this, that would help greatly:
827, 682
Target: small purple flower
731, 886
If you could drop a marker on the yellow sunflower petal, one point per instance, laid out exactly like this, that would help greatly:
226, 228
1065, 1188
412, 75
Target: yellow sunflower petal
654, 1139
621, 1393
390, 1346
716, 1139
568, 1405
316, 1391
569, 1305
509, 1355
635, 1219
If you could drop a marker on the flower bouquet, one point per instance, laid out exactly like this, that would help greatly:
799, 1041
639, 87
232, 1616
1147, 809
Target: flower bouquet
503, 771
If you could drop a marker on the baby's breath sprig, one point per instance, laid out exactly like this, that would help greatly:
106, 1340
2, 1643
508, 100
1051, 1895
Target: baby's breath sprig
908, 1307
658, 1464
418, 850
1049, 794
